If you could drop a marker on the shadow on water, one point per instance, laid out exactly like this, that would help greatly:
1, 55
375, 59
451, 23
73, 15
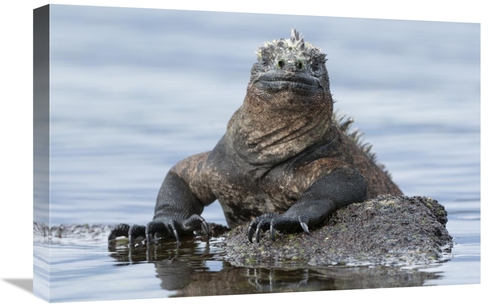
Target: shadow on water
197, 268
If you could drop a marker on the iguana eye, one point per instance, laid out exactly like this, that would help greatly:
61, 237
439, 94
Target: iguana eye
300, 65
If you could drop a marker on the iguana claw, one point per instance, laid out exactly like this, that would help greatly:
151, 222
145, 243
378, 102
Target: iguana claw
273, 222
169, 227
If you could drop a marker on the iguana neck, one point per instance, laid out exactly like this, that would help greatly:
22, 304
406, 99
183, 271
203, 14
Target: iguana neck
269, 129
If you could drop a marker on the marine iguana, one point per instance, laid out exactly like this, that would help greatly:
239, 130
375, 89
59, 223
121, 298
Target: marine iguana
285, 163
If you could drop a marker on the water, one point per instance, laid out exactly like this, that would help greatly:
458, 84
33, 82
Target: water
134, 91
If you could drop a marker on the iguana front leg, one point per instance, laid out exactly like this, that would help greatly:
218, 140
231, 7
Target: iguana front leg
177, 212
338, 189
182, 197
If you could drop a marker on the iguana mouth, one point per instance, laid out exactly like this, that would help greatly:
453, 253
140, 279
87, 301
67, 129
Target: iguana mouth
300, 83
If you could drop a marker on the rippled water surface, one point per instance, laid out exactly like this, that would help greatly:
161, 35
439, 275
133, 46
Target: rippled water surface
134, 91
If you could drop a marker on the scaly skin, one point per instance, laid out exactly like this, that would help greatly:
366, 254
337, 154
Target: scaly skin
283, 164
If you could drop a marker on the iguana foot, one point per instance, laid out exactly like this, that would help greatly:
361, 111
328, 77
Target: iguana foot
273, 222
169, 227
164, 227
132, 233
261, 223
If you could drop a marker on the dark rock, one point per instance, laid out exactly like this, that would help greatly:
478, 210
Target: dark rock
387, 230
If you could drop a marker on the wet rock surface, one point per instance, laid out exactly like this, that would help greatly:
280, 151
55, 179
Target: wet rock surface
387, 230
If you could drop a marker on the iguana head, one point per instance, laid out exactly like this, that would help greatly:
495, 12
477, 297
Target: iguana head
288, 105
290, 64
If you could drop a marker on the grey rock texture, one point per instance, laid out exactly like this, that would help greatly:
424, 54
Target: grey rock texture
387, 230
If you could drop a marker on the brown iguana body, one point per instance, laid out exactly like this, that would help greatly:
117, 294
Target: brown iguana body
284, 163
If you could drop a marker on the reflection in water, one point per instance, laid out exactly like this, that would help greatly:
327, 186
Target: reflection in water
189, 270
